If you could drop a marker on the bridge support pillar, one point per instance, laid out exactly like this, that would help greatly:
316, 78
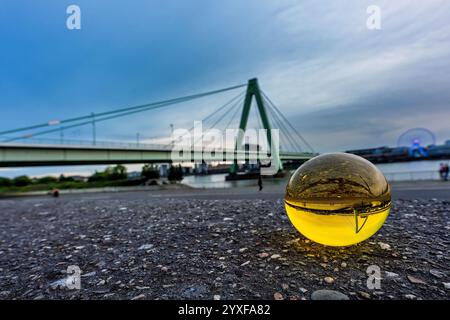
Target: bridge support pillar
253, 91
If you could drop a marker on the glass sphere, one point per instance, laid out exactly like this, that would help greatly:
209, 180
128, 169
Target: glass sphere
338, 199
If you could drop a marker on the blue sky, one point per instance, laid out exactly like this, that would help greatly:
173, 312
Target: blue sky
343, 86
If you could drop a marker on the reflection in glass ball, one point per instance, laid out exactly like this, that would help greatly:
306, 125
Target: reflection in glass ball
338, 199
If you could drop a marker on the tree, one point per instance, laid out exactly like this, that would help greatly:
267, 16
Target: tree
119, 172
175, 173
63, 178
5, 182
21, 181
98, 176
47, 180
149, 171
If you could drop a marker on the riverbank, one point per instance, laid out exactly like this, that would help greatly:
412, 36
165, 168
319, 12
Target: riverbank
206, 244
273, 189
151, 188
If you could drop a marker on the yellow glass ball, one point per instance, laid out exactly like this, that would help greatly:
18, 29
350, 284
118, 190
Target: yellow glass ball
338, 199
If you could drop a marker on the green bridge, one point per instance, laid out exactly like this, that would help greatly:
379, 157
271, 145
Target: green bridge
20, 151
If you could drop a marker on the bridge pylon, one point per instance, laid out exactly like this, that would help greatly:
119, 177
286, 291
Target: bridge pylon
254, 91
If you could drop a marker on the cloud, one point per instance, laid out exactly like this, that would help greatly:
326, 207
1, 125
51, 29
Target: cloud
342, 85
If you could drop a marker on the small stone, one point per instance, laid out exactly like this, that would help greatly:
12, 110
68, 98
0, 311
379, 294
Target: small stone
275, 256
101, 282
437, 273
343, 264
145, 247
328, 295
410, 296
391, 274
329, 280
384, 246
278, 296
363, 294
164, 269
245, 263
89, 274
415, 280
241, 250
142, 288
303, 290
263, 255
446, 285
139, 297
216, 297
285, 286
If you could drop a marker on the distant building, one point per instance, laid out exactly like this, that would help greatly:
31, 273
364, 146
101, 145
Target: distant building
386, 154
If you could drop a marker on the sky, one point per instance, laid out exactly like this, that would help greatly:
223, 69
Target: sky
342, 85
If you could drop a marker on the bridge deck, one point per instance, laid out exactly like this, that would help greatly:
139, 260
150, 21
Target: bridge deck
23, 155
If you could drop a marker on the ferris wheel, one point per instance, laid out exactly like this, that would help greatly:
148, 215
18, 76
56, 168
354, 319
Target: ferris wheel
417, 140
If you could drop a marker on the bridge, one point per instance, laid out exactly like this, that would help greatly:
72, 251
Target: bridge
25, 150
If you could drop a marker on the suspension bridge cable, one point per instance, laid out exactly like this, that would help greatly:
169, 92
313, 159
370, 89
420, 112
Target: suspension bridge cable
152, 107
291, 141
80, 124
218, 120
287, 121
233, 114
156, 104
211, 115
236, 112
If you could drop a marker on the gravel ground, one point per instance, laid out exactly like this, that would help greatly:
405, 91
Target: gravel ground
177, 248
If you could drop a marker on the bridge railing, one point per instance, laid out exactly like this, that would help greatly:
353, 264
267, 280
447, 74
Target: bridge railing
72, 142
114, 144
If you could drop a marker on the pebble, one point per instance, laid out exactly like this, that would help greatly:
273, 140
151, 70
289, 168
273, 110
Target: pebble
328, 295
216, 297
446, 285
278, 296
391, 274
437, 273
384, 246
415, 280
275, 256
329, 280
145, 247
363, 294
139, 297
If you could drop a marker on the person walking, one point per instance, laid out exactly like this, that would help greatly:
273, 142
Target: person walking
446, 170
260, 184
441, 171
